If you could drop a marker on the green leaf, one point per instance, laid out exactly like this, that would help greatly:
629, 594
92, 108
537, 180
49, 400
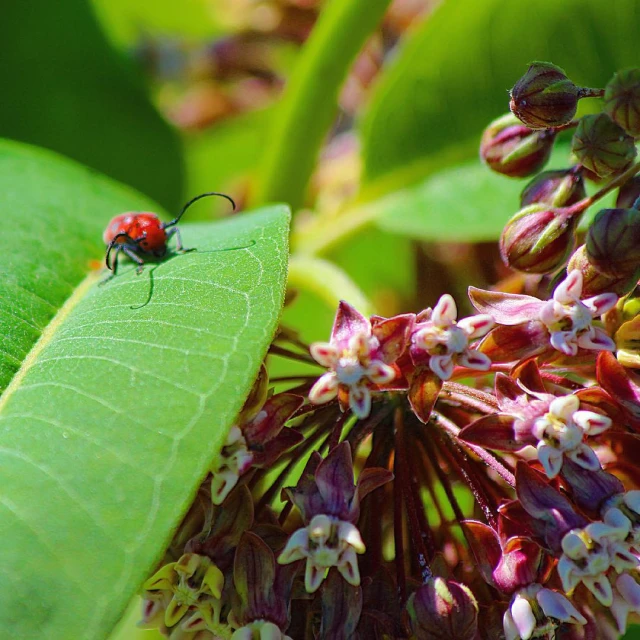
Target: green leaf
310, 102
66, 89
451, 78
117, 410
466, 203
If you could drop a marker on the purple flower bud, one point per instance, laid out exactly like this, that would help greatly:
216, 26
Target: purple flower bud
594, 282
622, 100
538, 239
443, 610
602, 146
555, 188
544, 97
628, 194
512, 149
613, 242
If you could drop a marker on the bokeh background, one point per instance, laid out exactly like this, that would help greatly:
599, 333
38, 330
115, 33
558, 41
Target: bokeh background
369, 131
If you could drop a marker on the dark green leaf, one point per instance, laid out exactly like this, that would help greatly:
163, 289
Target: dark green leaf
64, 88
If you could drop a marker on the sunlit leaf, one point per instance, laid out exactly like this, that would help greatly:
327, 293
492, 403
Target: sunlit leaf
116, 411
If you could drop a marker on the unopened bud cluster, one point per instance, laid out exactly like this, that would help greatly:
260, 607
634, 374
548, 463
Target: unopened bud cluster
542, 237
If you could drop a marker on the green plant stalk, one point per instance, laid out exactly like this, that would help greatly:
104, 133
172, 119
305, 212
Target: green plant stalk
327, 281
310, 101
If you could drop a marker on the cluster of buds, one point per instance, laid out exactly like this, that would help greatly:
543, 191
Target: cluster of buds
437, 477
541, 238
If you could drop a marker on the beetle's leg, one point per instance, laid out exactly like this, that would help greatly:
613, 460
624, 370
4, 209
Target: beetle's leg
134, 256
174, 231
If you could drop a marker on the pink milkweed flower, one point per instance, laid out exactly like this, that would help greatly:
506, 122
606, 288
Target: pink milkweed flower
529, 326
445, 340
359, 356
329, 503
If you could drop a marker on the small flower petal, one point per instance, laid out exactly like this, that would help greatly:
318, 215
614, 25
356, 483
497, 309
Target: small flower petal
445, 312
360, 401
557, 606
380, 373
570, 288
324, 354
591, 423
313, 576
475, 360
296, 546
348, 567
325, 389
477, 326
585, 456
442, 366
550, 459
523, 617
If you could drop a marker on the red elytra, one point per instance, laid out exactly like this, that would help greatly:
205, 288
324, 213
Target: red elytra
143, 234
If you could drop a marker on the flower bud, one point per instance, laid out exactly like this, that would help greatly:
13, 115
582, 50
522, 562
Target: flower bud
622, 100
512, 149
443, 610
538, 239
628, 194
602, 146
594, 282
544, 97
613, 242
555, 188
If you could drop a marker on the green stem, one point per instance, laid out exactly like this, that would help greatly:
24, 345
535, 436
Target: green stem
327, 281
310, 102
585, 203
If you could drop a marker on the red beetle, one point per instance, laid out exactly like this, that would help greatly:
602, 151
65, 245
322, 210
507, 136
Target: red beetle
143, 234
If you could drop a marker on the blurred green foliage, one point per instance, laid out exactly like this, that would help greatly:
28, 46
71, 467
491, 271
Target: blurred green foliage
74, 83
66, 89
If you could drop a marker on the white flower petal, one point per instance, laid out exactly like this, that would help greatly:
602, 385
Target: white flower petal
596, 340
324, 354
567, 574
445, 312
585, 456
325, 389
555, 605
442, 366
564, 341
550, 459
600, 587
591, 423
474, 360
348, 567
629, 589
632, 500
601, 303
510, 629
222, 483
523, 617
570, 289
351, 535
313, 576
380, 373
360, 401
477, 326
296, 548
565, 406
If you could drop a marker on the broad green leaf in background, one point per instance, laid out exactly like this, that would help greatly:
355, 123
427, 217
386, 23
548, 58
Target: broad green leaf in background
451, 78
113, 418
66, 89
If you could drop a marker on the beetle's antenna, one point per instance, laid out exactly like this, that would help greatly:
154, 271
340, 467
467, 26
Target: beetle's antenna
202, 195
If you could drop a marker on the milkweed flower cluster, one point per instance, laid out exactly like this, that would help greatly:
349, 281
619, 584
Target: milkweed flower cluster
436, 477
